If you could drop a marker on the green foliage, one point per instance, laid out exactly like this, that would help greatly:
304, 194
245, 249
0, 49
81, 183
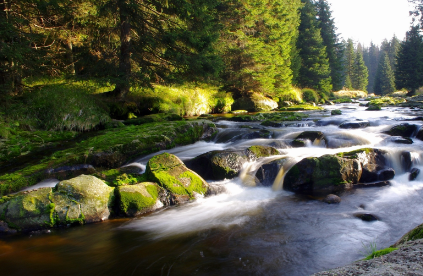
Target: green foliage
315, 71
409, 72
334, 49
62, 107
385, 80
377, 253
299, 107
360, 73
291, 95
385, 101
349, 64
309, 95
372, 64
256, 44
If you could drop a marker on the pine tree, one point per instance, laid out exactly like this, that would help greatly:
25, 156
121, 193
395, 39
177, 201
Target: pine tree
334, 48
349, 63
394, 46
315, 71
256, 44
385, 80
360, 73
409, 73
372, 65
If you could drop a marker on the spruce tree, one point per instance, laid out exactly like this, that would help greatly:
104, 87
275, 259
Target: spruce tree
256, 44
372, 65
360, 73
394, 46
349, 63
330, 38
315, 71
409, 72
385, 80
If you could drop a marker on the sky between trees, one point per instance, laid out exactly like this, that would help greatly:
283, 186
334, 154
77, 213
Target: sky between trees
371, 20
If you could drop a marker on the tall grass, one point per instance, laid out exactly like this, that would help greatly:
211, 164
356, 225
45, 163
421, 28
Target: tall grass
61, 107
184, 100
309, 95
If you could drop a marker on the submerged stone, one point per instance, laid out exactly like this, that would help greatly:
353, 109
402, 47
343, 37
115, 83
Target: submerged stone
366, 217
403, 130
354, 124
413, 174
332, 199
268, 172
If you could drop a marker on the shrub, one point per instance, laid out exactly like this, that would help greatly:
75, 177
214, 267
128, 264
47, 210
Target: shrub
292, 95
309, 95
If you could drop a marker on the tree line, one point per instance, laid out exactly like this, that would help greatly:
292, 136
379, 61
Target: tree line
265, 46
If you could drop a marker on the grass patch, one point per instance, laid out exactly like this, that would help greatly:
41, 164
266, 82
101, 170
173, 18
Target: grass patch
379, 253
272, 116
300, 107
350, 94
386, 101
293, 95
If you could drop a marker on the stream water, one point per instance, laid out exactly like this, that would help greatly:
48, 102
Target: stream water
246, 230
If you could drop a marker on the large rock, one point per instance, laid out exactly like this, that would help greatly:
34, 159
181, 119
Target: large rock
403, 130
218, 165
134, 200
28, 211
83, 199
254, 102
322, 175
332, 173
170, 173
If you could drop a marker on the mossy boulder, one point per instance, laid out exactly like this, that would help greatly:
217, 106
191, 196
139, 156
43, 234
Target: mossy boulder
322, 175
374, 108
262, 151
170, 173
403, 130
419, 134
218, 165
254, 102
28, 211
336, 112
159, 117
83, 199
134, 200
415, 234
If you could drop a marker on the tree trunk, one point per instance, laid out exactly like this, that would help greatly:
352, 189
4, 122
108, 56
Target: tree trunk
69, 56
123, 82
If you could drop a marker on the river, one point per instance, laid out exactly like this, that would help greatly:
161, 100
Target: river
245, 230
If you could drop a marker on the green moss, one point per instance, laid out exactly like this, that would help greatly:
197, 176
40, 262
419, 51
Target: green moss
263, 151
196, 183
415, 234
299, 107
353, 154
80, 220
374, 108
380, 253
137, 198
336, 112
170, 183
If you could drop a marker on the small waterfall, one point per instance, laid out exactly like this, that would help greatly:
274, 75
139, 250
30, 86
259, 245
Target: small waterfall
278, 183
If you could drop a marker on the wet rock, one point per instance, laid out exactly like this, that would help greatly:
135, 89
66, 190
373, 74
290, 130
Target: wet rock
403, 130
299, 143
70, 171
312, 136
406, 160
5, 229
366, 217
401, 140
272, 124
29, 211
134, 200
413, 174
257, 135
254, 102
218, 165
374, 108
354, 124
215, 189
386, 174
170, 173
83, 199
420, 134
332, 199
412, 235
268, 172
322, 175
336, 112
372, 184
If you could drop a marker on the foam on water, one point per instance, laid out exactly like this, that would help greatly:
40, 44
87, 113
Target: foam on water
221, 211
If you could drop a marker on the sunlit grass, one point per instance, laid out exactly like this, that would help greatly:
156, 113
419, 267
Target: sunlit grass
350, 94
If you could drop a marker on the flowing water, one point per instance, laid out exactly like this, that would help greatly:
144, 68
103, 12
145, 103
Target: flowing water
247, 230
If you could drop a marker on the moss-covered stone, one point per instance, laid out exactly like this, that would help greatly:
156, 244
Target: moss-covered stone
254, 102
374, 108
403, 130
263, 151
115, 177
336, 112
170, 173
322, 175
83, 199
29, 210
415, 234
134, 200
